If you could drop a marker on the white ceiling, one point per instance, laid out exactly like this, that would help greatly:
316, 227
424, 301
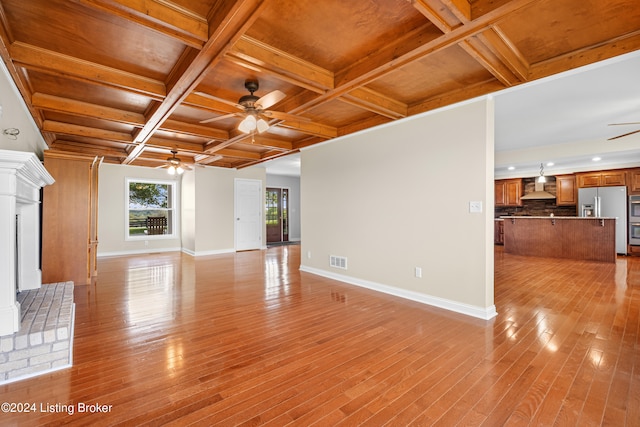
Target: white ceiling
562, 119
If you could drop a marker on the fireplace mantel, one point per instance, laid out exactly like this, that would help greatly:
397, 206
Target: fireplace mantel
21, 177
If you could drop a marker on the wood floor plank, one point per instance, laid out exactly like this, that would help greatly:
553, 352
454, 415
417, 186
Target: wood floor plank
248, 339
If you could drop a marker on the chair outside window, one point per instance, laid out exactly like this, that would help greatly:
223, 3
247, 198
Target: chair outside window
156, 224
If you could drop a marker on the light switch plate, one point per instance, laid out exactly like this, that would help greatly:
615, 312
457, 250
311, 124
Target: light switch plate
475, 207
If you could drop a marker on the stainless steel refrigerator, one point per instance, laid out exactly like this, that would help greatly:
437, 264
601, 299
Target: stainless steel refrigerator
609, 202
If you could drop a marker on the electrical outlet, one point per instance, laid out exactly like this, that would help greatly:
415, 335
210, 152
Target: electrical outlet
418, 272
308, 254
475, 207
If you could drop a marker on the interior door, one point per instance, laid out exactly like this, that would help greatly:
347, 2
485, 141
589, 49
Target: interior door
273, 214
248, 209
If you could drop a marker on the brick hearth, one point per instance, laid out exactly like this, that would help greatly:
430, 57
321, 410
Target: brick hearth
44, 342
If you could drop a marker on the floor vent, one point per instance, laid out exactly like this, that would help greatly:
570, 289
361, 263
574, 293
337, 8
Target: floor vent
338, 262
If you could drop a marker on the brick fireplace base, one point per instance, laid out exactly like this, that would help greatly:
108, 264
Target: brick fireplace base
44, 342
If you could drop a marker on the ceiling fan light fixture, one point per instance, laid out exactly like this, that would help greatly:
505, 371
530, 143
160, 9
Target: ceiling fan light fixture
248, 124
171, 170
262, 125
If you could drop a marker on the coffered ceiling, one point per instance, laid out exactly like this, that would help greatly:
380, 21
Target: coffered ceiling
133, 80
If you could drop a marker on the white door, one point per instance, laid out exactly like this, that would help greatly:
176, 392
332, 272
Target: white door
248, 212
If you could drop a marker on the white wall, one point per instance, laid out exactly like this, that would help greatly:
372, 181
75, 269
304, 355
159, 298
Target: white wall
213, 208
112, 206
15, 114
293, 184
205, 202
396, 198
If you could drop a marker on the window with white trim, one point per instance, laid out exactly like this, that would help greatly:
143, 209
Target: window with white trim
151, 208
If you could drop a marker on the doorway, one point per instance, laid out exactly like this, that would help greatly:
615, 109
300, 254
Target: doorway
277, 214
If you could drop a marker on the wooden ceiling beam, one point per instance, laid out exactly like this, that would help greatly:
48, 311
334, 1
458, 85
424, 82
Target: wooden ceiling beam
387, 60
618, 46
33, 57
487, 58
162, 157
376, 102
90, 132
311, 128
194, 130
89, 149
229, 19
239, 154
440, 16
205, 159
83, 109
493, 52
496, 40
460, 8
363, 124
174, 144
207, 101
163, 16
274, 143
260, 56
452, 97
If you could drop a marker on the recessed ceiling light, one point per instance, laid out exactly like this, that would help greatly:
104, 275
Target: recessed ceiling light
511, 168
596, 159
550, 164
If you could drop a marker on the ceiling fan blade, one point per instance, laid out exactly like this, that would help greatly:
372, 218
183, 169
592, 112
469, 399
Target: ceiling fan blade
624, 134
215, 98
215, 119
285, 116
270, 99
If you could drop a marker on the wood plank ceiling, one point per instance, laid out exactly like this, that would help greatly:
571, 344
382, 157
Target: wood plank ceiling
132, 80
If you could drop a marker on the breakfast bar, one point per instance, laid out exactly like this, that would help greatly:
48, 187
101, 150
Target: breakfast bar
581, 238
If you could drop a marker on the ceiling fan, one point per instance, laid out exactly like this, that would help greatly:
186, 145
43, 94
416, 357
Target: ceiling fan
624, 134
175, 165
254, 109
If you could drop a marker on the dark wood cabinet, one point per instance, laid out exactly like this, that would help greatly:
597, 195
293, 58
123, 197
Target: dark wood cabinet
634, 181
500, 193
508, 192
566, 191
602, 179
498, 232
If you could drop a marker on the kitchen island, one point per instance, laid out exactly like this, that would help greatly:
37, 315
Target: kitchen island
592, 239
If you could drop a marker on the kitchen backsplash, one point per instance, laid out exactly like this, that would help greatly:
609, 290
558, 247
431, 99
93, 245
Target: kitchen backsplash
537, 207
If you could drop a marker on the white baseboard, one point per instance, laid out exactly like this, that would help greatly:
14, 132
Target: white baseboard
138, 252
204, 253
458, 307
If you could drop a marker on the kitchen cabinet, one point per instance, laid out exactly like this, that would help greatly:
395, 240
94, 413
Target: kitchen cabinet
508, 192
498, 232
566, 191
602, 179
634, 181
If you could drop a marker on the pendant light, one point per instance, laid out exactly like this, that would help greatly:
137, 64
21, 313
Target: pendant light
541, 178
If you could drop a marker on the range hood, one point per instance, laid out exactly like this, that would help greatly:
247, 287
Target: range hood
538, 194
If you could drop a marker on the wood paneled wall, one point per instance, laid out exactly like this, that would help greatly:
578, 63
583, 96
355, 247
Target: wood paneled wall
69, 223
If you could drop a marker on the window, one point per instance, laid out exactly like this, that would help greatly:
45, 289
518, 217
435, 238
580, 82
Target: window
150, 208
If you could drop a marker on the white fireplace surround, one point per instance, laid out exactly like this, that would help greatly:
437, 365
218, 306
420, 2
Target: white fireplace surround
21, 177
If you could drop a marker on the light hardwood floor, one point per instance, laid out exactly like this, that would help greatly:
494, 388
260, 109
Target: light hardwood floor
247, 339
